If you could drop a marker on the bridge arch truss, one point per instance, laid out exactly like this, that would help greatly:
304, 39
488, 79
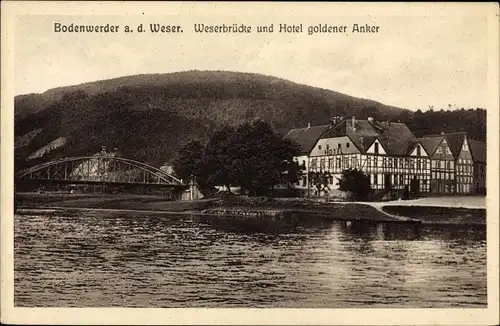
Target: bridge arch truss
99, 169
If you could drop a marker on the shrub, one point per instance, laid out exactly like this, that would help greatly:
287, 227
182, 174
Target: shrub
356, 183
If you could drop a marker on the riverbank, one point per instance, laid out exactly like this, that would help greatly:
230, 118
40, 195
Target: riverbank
252, 208
440, 215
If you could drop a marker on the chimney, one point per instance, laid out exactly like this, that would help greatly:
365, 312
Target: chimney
442, 133
370, 119
335, 120
308, 125
353, 123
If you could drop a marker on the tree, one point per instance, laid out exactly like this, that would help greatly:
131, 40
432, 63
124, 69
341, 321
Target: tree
252, 156
320, 180
217, 161
187, 162
356, 183
261, 158
292, 173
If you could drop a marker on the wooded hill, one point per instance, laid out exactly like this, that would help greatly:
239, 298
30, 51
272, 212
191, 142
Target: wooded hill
149, 117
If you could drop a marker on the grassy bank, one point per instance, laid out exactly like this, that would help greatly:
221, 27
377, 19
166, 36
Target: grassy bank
296, 208
439, 215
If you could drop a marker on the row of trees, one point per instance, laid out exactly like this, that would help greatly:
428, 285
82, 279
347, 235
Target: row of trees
252, 156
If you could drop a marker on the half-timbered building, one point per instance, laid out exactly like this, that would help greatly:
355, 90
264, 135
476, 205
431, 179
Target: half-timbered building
392, 156
442, 165
455, 147
387, 151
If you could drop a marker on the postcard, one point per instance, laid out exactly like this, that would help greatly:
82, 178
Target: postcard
249, 163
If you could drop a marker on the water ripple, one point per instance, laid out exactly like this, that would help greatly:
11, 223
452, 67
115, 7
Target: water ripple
88, 260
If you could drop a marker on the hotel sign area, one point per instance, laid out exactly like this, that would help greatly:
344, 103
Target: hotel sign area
392, 156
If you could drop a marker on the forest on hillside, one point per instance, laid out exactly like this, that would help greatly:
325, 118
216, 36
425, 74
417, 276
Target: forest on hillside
471, 121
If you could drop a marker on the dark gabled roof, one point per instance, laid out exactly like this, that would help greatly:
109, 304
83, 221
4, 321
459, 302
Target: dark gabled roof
478, 150
307, 137
455, 141
430, 144
412, 145
395, 137
366, 142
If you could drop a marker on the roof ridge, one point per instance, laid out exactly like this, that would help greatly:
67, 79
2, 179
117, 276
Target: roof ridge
447, 133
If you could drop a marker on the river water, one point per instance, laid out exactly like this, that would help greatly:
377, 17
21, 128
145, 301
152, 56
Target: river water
111, 259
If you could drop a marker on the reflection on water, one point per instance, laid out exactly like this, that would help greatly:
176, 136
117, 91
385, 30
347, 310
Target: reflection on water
95, 260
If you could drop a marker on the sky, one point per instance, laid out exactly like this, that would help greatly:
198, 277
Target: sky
412, 62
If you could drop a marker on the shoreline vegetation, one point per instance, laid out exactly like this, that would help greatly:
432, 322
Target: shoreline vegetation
242, 207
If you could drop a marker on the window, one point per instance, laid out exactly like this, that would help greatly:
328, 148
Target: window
390, 162
439, 150
322, 164
442, 164
347, 145
327, 146
346, 162
339, 146
319, 147
434, 164
354, 162
369, 161
314, 163
376, 148
419, 164
452, 164
330, 163
375, 179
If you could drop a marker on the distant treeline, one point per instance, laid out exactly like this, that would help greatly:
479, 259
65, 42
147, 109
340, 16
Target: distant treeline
472, 121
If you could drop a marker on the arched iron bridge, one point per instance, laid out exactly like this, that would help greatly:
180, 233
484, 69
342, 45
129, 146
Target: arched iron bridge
99, 169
